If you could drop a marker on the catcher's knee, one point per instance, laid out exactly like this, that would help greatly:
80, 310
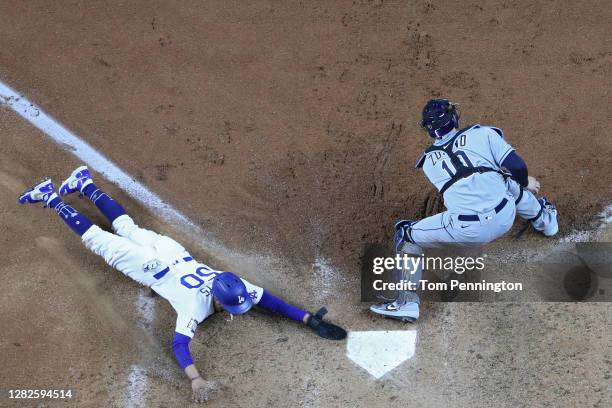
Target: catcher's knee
403, 240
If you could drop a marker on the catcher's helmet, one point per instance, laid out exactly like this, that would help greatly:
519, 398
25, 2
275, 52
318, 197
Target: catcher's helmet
230, 291
440, 116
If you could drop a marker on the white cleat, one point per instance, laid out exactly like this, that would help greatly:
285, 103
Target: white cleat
40, 193
406, 312
78, 179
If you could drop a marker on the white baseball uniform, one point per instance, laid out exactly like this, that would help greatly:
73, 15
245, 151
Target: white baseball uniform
162, 264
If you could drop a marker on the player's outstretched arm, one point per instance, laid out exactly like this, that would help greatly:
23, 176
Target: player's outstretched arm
323, 328
201, 389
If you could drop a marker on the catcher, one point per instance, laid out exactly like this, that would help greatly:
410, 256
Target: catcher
485, 184
194, 290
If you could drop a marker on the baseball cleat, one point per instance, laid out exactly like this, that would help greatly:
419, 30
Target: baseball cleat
39, 193
77, 180
406, 312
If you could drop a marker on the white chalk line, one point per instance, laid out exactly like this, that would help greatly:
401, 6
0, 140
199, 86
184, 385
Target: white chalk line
145, 307
604, 218
137, 387
99, 163
136, 190
328, 278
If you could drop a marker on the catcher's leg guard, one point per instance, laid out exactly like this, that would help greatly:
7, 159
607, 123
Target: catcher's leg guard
406, 304
402, 233
546, 220
540, 212
412, 272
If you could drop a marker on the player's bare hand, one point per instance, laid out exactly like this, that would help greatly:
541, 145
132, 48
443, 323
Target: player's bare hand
533, 185
202, 389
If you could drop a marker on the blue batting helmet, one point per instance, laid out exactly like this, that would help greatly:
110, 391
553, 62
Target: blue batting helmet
440, 116
230, 291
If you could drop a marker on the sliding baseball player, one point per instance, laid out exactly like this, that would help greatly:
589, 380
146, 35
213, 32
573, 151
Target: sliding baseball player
194, 289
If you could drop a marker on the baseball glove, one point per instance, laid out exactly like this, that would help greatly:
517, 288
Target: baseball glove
325, 329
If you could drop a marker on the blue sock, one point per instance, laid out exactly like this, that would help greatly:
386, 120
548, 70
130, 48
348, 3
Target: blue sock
109, 207
276, 305
75, 220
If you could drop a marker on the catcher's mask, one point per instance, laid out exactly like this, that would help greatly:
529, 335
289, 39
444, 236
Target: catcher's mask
230, 291
439, 117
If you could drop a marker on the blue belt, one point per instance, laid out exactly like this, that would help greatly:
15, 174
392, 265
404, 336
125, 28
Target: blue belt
473, 217
163, 272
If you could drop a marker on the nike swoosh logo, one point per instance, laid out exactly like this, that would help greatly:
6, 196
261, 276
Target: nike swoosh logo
464, 226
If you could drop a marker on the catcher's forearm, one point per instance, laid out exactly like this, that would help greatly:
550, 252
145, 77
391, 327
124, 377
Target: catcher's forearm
517, 167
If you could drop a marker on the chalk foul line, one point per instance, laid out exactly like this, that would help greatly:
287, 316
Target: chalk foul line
361, 345
96, 161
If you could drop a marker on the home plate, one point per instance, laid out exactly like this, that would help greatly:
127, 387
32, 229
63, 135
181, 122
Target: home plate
379, 352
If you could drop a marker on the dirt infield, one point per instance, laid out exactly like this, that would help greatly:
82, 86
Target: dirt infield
308, 112
288, 130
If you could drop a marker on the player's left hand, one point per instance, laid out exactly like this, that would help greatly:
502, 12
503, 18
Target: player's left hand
202, 389
533, 185
325, 329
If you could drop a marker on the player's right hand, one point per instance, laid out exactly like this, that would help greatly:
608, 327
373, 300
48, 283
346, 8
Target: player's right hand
202, 389
533, 185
